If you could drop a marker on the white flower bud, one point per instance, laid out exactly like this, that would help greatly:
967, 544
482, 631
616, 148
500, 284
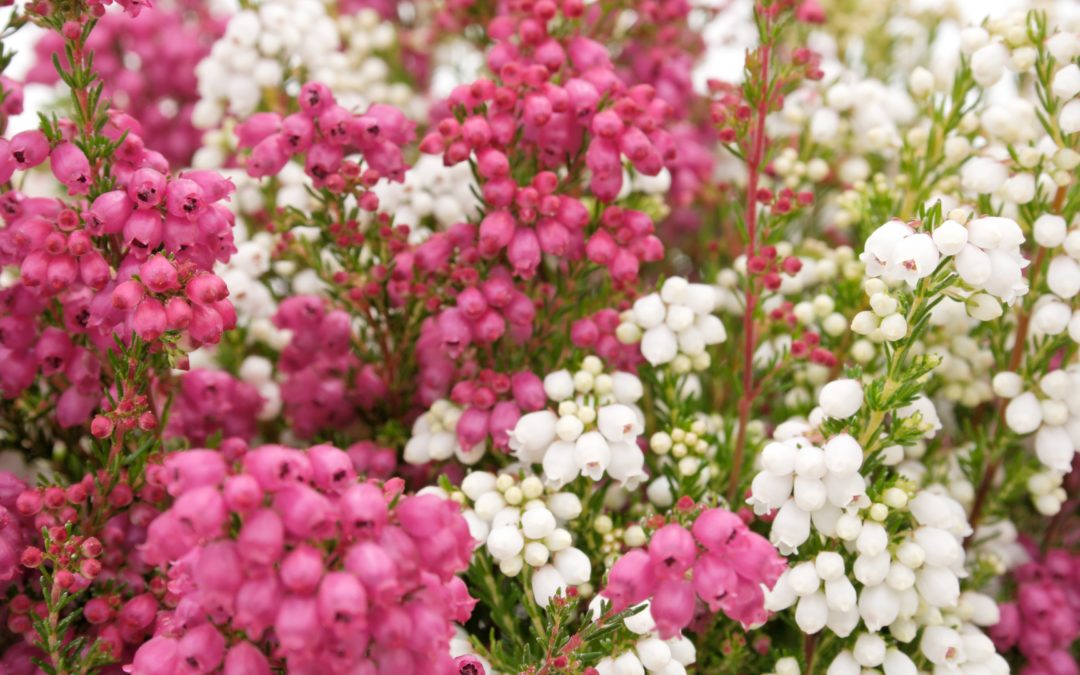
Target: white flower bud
848, 526
1063, 277
841, 399
878, 606
894, 327
898, 663
1020, 189
972, 38
536, 554
1052, 318
560, 464
477, 483
1066, 82
938, 586
950, 237
1069, 117
790, 528
573, 565
649, 311
505, 542
618, 422
810, 462
659, 345
941, 548
564, 505
627, 663
546, 583
864, 323
921, 82
626, 387
537, 523
653, 652
812, 612
779, 458
840, 594
988, 63
569, 427
984, 307
1050, 230
804, 579
942, 646
810, 494
532, 434
559, 385
844, 664
1007, 384
869, 650
1054, 448
1023, 414
829, 565
557, 540
983, 175
788, 665
592, 454
900, 577
871, 570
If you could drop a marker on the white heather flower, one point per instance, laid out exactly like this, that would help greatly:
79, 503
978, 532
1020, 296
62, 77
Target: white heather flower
1069, 117
869, 650
1024, 414
593, 454
950, 237
898, 663
844, 664
841, 399
843, 455
659, 345
1054, 448
546, 584
1020, 189
573, 565
1050, 230
532, 435
649, 311
988, 63
983, 175
790, 528
881, 246
618, 423
1063, 277
1066, 83
942, 646
559, 385
812, 613
913, 258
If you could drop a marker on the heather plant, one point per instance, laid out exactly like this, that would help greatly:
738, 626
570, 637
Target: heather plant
520, 337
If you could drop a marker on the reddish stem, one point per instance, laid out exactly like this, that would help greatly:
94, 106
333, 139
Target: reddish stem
753, 166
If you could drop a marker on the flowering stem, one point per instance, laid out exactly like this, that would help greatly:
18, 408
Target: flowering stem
753, 166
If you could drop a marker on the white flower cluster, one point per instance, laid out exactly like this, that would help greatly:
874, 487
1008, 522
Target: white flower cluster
883, 322
966, 366
1054, 417
595, 429
807, 484
267, 46
675, 325
650, 654
1047, 493
909, 581
962, 649
434, 437
987, 257
430, 189
521, 525
1053, 312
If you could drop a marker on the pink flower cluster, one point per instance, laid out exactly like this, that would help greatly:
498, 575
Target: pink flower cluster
493, 402
325, 133
319, 365
207, 402
554, 105
1043, 623
16, 530
596, 334
148, 68
728, 564
165, 232
325, 573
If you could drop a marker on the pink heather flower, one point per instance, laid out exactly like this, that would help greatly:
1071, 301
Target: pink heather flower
27, 149
70, 167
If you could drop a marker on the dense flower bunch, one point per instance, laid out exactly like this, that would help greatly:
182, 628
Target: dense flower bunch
522, 337
337, 574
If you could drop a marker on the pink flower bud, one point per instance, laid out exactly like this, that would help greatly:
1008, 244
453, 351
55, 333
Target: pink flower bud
206, 325
342, 604
202, 509
157, 656
150, 320
202, 648
373, 567
70, 167
206, 288
127, 295
488, 328
177, 314
716, 528
472, 303
496, 232
268, 157
297, 623
504, 416
454, 332
672, 607
193, 469
672, 551
553, 237
630, 580
28, 148
624, 267
601, 248
331, 468
298, 131
61, 272
257, 127
305, 512
363, 510
184, 198
314, 98
472, 427
257, 603
302, 569
528, 391
144, 230
244, 658
75, 406
524, 252
158, 274
146, 188
322, 160
109, 212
